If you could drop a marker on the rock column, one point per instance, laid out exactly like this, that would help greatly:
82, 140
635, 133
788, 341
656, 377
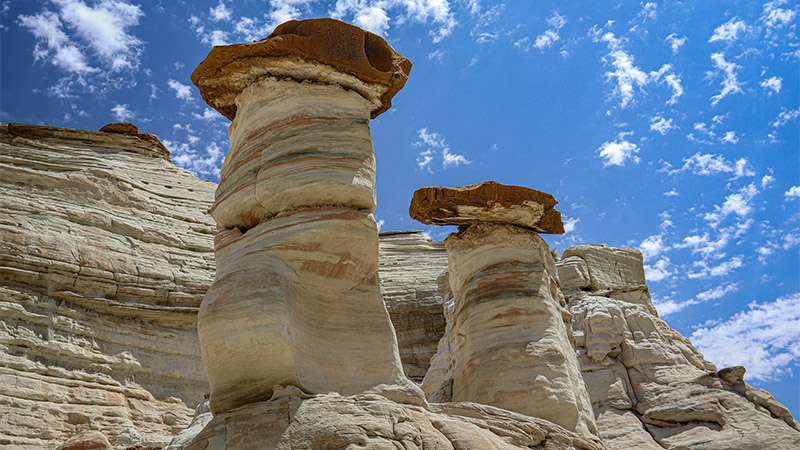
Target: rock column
296, 299
509, 341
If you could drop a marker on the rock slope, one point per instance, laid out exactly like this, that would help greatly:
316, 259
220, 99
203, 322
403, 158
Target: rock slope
649, 387
105, 253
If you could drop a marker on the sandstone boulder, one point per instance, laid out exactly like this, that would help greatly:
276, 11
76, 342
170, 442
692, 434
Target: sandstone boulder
608, 267
487, 202
120, 128
88, 440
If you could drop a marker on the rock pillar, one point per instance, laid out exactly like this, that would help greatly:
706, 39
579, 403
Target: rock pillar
296, 299
509, 340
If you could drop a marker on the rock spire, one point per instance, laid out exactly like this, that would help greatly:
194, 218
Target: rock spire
510, 343
296, 300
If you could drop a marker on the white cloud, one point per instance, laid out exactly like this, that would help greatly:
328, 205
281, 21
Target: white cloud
652, 246
661, 125
436, 55
669, 306
671, 193
706, 164
762, 338
434, 143
658, 271
717, 292
729, 138
730, 84
793, 192
182, 91
550, 36
675, 42
729, 31
786, 115
617, 152
375, 15
220, 12
185, 156
570, 224
738, 203
53, 44
720, 270
628, 76
767, 180
772, 85
380, 223
452, 159
123, 113
775, 17
742, 168
208, 114
648, 11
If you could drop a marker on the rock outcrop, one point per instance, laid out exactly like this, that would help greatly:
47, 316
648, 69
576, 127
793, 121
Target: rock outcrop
649, 387
294, 420
414, 284
509, 344
296, 300
105, 254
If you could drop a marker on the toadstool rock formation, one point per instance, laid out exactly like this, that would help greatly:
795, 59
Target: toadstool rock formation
509, 344
296, 300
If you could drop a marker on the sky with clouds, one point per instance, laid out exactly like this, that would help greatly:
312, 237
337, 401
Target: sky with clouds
667, 126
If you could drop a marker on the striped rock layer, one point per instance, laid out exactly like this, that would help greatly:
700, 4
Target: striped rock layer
105, 254
510, 343
297, 299
649, 387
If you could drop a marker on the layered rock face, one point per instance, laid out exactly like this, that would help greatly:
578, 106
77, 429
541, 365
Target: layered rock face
297, 421
105, 253
509, 344
296, 300
414, 284
649, 387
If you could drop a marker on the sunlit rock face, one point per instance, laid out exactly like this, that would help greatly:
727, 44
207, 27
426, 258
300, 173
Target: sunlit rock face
649, 387
414, 284
105, 254
297, 421
296, 300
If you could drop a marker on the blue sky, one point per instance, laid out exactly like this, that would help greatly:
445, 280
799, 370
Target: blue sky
667, 126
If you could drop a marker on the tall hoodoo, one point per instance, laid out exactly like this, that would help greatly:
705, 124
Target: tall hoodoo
296, 299
510, 344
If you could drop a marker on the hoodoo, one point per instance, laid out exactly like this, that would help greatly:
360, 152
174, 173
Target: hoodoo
296, 300
510, 343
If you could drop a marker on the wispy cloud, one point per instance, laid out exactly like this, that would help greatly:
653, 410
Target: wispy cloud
123, 113
547, 38
730, 84
762, 338
775, 17
661, 125
793, 192
675, 42
434, 145
182, 91
627, 76
786, 115
729, 31
738, 203
713, 164
772, 85
376, 15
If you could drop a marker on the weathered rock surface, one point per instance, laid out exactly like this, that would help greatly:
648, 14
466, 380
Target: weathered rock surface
296, 300
104, 257
649, 387
487, 202
326, 51
414, 283
88, 440
509, 344
293, 420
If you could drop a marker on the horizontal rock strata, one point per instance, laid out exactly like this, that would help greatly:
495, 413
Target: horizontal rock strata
487, 202
296, 299
296, 421
509, 344
649, 387
105, 253
414, 283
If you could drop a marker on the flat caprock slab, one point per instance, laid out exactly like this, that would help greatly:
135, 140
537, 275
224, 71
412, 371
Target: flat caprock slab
327, 51
487, 202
